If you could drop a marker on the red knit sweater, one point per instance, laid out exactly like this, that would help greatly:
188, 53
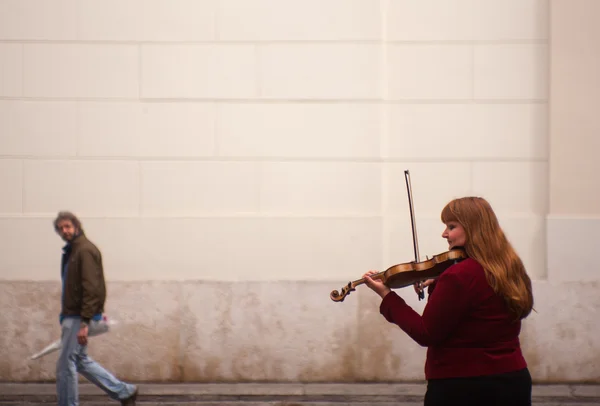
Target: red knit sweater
465, 325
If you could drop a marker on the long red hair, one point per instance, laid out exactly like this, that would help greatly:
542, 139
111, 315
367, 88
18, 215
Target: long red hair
487, 244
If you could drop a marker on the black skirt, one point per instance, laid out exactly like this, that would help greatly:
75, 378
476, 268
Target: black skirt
509, 389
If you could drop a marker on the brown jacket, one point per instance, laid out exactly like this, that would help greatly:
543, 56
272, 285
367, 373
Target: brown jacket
84, 287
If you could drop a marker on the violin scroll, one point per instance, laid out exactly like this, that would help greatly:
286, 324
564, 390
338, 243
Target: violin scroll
339, 297
351, 287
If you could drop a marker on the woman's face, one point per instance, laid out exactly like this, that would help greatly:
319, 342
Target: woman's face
454, 234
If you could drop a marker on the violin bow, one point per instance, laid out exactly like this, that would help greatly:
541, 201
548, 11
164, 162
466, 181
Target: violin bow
413, 222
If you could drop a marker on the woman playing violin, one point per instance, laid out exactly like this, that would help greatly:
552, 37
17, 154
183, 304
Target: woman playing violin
472, 320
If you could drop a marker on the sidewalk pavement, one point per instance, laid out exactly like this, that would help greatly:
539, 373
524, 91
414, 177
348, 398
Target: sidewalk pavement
289, 394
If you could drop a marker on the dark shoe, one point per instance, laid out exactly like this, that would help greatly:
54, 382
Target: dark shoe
130, 401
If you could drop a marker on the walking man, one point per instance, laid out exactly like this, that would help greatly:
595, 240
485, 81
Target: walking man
83, 296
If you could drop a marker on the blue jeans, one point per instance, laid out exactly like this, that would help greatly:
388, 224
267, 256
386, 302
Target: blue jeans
73, 359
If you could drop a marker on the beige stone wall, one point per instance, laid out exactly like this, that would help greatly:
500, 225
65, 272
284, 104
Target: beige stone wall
276, 331
182, 132
575, 130
236, 161
574, 204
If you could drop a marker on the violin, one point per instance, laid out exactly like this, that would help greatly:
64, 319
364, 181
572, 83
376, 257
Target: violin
409, 273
